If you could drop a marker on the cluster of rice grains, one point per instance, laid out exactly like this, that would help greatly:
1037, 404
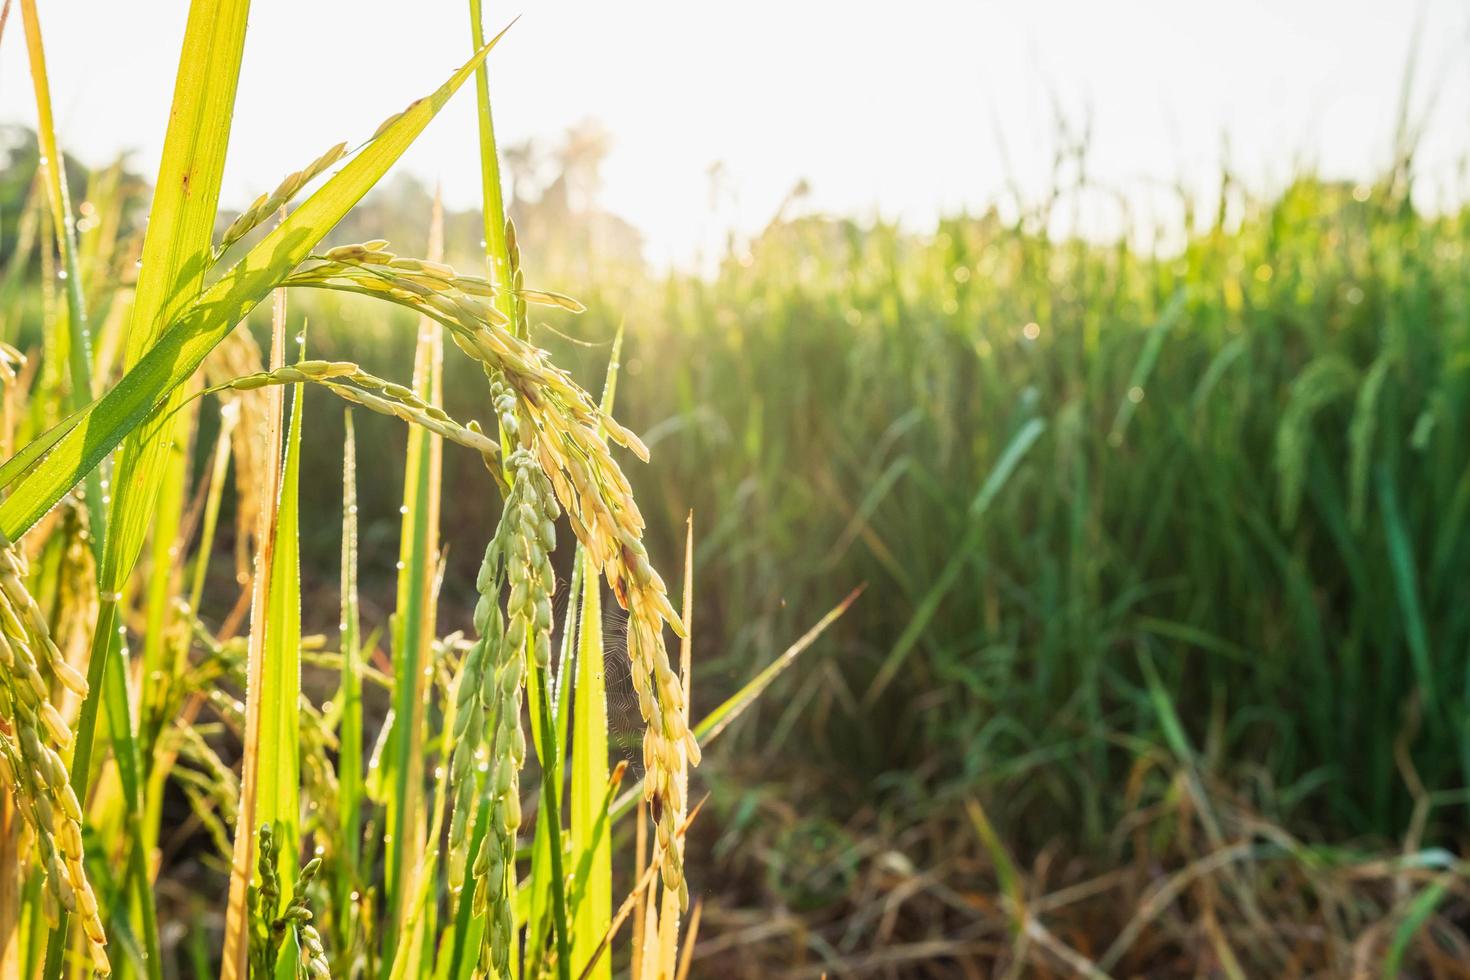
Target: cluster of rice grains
489, 691
560, 432
33, 736
269, 929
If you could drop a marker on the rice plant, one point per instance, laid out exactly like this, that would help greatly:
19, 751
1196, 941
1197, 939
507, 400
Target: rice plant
341, 841
1161, 673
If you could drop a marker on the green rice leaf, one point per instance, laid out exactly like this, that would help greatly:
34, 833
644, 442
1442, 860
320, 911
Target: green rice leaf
591, 849
349, 732
278, 749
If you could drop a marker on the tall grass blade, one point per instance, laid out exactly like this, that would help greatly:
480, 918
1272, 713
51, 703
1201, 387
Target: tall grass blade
551, 818
277, 752
415, 619
1406, 587
712, 724
1416, 915
589, 750
493, 211
176, 248
349, 732
634, 899
247, 823
1138, 379
63, 224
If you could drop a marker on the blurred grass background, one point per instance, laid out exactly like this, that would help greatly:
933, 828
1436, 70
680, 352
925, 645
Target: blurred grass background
1177, 528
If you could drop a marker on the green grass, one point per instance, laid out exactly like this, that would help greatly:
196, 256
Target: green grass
1176, 531
1159, 469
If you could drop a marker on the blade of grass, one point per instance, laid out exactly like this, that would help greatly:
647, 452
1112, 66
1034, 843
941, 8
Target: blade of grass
164, 565
551, 818
496, 250
412, 957
589, 748
415, 620
1418, 912
1144, 366
1406, 587
582, 881
629, 903
349, 732
176, 248
242, 865
58, 197
280, 691
712, 724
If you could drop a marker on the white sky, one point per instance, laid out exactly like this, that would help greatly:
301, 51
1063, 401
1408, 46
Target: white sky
886, 108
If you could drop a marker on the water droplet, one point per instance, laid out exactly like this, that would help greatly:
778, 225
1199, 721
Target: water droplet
61, 274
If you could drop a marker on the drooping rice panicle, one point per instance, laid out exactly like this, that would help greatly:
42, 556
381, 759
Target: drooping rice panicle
33, 737
561, 424
527, 525
475, 705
